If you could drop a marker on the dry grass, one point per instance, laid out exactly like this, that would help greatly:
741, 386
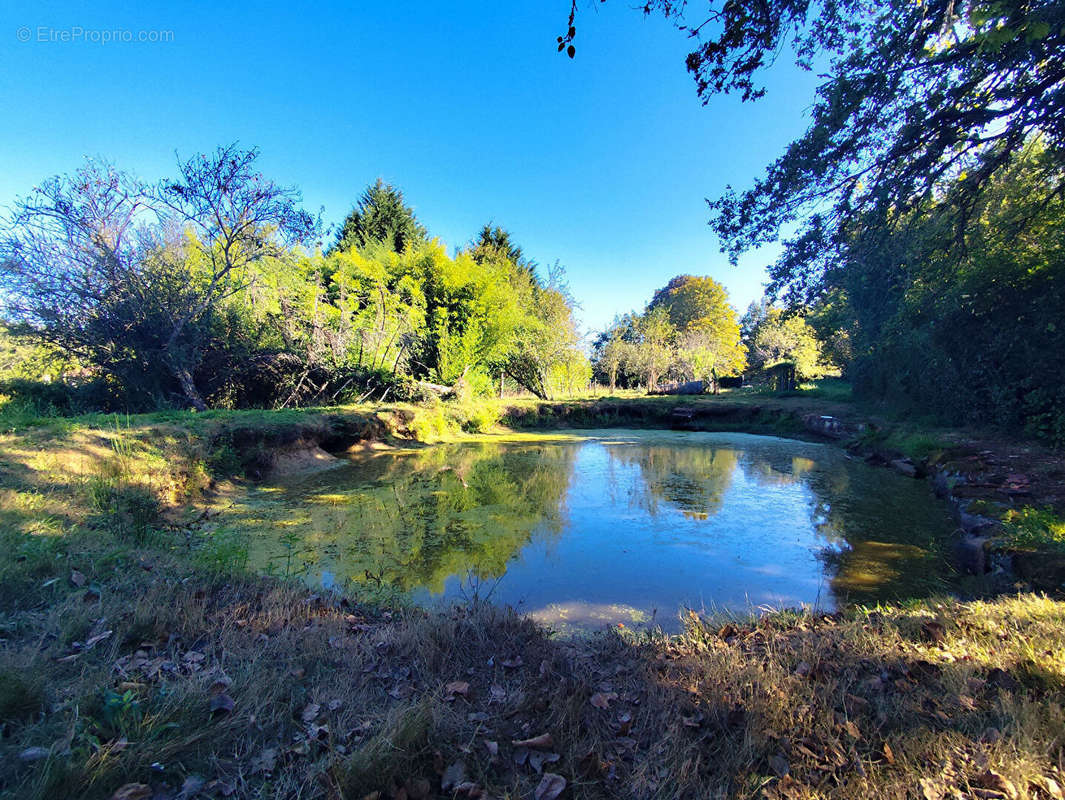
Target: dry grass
124, 660
336, 702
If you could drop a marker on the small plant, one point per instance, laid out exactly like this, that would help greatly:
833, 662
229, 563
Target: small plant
130, 511
1033, 527
224, 551
121, 713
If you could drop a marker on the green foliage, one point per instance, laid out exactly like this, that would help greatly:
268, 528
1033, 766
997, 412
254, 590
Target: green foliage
223, 551
1036, 528
128, 511
381, 217
688, 332
200, 316
972, 331
773, 337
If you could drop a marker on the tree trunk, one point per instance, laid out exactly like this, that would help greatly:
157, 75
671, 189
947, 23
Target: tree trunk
188, 386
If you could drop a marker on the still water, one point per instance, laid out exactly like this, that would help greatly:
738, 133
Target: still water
608, 526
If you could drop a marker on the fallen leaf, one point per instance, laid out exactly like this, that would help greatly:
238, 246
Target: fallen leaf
457, 688
512, 663
497, 692
998, 782
492, 747
94, 640
803, 669
889, 754
477, 716
931, 790
222, 703
550, 787
77, 578
453, 776
225, 788
1043, 786
541, 742
933, 631
537, 759
34, 754
132, 791
603, 699
191, 786
852, 730
310, 713
779, 765
417, 788
266, 761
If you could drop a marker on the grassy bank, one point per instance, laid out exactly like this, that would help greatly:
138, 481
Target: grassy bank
136, 658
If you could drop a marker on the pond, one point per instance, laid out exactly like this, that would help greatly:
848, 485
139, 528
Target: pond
611, 526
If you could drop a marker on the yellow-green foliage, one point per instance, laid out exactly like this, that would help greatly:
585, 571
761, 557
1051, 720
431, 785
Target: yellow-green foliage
1033, 527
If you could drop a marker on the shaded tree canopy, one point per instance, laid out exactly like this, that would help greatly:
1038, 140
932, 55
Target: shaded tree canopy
920, 100
381, 217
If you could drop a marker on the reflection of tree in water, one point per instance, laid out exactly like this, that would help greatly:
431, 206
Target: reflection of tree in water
773, 467
413, 520
691, 479
884, 533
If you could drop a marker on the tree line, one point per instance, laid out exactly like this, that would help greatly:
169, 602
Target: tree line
211, 289
922, 213
690, 332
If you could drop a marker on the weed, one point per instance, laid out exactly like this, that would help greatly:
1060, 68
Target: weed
1034, 528
222, 551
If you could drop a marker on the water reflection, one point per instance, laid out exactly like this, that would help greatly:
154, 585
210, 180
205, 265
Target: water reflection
609, 526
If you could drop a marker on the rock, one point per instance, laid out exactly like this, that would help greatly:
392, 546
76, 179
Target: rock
973, 523
943, 483
905, 466
1044, 571
971, 553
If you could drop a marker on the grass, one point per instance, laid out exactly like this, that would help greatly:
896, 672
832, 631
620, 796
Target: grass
256, 688
135, 649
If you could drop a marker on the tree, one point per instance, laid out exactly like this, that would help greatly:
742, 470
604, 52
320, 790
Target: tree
381, 216
698, 308
777, 337
497, 244
918, 98
654, 352
127, 275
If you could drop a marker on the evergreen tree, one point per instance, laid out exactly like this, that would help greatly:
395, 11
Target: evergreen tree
381, 217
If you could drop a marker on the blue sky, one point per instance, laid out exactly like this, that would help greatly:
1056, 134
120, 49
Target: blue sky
602, 163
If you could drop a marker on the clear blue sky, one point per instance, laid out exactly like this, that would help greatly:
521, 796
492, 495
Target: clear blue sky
603, 162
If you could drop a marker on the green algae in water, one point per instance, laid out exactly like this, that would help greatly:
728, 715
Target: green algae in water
601, 527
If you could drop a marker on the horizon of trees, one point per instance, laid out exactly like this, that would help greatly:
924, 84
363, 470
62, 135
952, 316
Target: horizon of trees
202, 291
